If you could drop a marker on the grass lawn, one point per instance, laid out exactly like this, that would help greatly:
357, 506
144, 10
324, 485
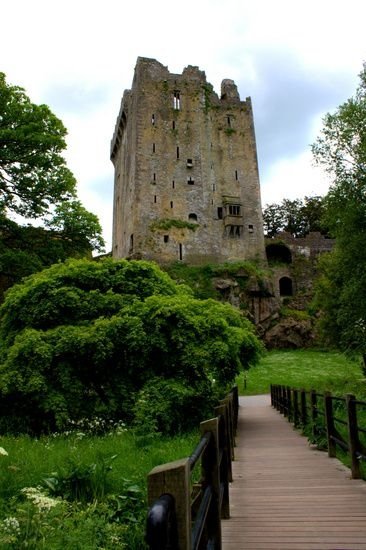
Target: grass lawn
308, 369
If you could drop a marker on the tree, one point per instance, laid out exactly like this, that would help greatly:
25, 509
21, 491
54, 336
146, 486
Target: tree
33, 173
25, 249
298, 217
36, 183
75, 225
84, 338
341, 149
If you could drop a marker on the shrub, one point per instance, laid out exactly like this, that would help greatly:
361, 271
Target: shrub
81, 339
172, 406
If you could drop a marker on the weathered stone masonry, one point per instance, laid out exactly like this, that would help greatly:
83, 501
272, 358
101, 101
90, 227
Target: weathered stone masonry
186, 173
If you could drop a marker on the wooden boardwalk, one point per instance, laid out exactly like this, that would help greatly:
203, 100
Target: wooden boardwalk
287, 495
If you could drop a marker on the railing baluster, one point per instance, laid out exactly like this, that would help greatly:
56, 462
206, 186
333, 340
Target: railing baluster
304, 412
314, 412
353, 437
329, 422
296, 413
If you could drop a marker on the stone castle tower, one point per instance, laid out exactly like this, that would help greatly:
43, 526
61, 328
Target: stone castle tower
186, 181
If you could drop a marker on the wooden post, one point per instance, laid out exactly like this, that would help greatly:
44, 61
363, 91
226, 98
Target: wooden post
282, 401
329, 422
211, 476
229, 424
221, 410
289, 403
295, 414
235, 392
174, 479
353, 438
314, 411
304, 412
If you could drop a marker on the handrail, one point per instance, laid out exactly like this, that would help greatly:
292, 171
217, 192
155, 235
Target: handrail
197, 519
323, 420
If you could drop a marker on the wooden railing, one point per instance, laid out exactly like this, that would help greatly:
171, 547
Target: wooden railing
185, 515
326, 417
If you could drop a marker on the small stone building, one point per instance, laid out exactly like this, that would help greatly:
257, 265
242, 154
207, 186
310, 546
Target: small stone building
186, 183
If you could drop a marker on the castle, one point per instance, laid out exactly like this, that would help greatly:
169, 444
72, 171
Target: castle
186, 183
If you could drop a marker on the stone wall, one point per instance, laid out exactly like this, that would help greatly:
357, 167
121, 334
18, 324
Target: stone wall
186, 174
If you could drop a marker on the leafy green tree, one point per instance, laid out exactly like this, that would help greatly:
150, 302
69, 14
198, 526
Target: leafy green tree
83, 338
341, 149
33, 173
75, 225
25, 249
298, 217
36, 183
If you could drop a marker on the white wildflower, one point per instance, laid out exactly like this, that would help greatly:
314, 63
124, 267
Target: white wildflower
3, 452
10, 526
39, 499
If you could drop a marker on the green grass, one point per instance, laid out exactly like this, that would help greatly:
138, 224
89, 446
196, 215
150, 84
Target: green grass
308, 369
113, 468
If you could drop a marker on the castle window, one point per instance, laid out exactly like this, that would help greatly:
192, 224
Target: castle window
153, 120
153, 147
154, 177
234, 231
173, 184
236, 175
155, 199
192, 216
176, 100
177, 152
219, 212
234, 210
189, 163
171, 204
173, 125
190, 180
250, 228
228, 121
131, 244
166, 238
180, 252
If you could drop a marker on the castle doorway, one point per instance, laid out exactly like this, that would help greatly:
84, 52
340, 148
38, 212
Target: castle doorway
286, 286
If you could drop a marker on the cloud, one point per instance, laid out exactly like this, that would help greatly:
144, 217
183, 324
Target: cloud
293, 178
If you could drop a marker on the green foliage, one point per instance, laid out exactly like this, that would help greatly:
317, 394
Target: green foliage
208, 91
200, 278
36, 183
27, 249
75, 225
33, 174
80, 339
298, 217
172, 406
169, 223
81, 482
230, 131
341, 149
30, 517
297, 314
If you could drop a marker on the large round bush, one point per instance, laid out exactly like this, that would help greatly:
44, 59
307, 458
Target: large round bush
82, 339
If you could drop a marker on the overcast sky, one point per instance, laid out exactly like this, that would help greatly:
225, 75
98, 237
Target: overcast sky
297, 61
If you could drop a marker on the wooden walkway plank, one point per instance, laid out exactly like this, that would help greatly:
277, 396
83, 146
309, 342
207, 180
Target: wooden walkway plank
286, 495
